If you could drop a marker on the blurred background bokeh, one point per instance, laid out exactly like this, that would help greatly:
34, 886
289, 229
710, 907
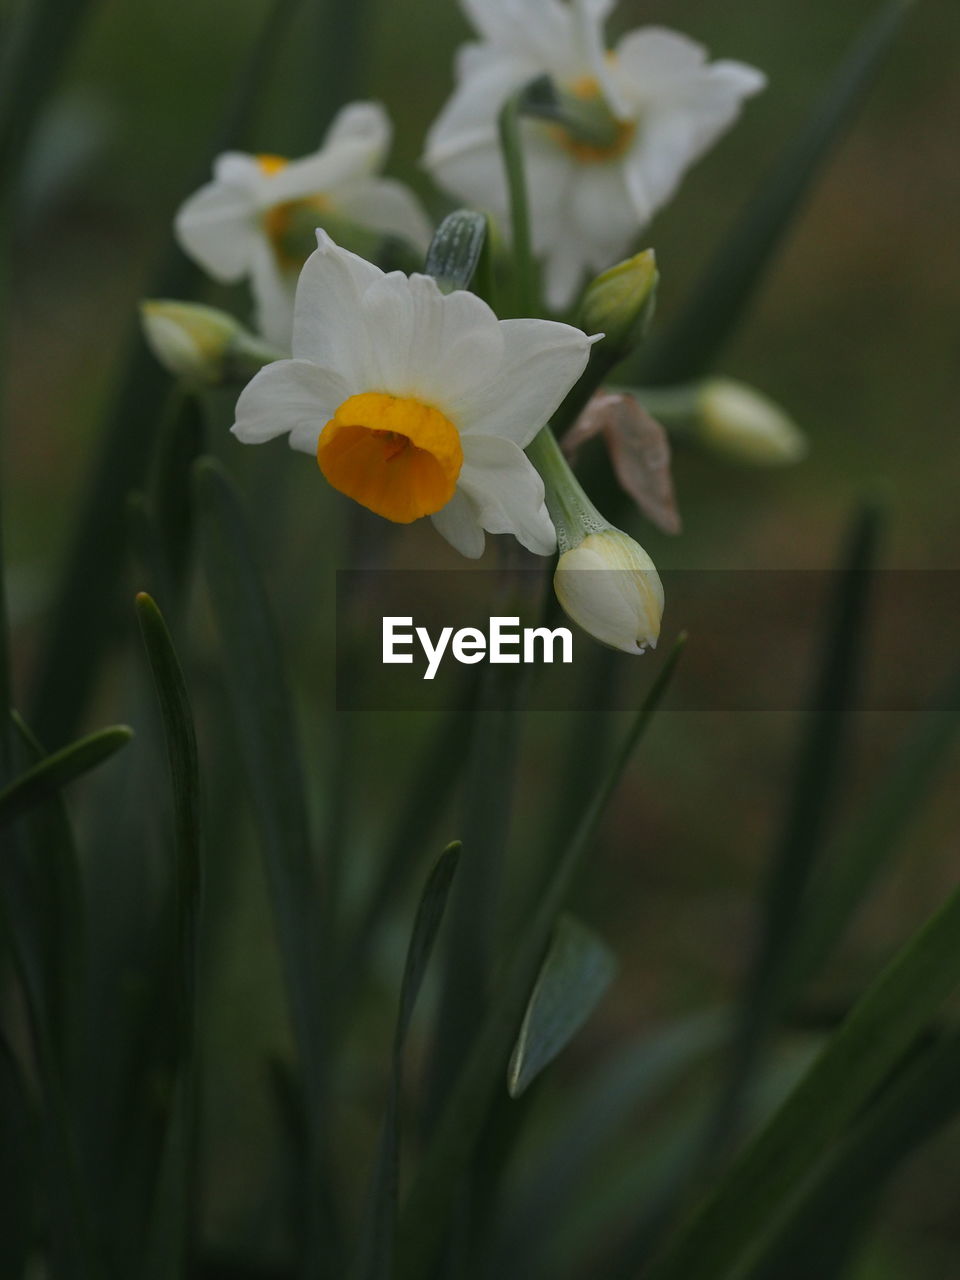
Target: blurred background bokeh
855, 331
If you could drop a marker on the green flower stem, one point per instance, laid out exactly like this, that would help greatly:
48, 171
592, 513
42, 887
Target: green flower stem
510, 143
572, 512
672, 406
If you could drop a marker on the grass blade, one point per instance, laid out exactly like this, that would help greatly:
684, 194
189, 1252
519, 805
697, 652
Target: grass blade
56, 771
879, 1030
256, 684
172, 1225
88, 605
576, 972
375, 1259
816, 783
689, 345
423, 1221
835, 1206
850, 870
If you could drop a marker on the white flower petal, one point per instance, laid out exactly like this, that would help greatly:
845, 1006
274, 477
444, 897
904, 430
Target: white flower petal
291, 396
541, 362
604, 214
540, 29
487, 78
328, 326
506, 491
216, 226
355, 147
459, 524
438, 348
387, 206
274, 291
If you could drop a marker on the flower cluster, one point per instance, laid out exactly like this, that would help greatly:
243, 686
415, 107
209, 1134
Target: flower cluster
415, 398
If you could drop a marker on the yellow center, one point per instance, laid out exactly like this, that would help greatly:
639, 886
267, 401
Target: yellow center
392, 454
587, 89
283, 223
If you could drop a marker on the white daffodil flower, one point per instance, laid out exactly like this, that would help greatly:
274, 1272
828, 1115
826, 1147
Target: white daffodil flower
664, 106
415, 402
257, 217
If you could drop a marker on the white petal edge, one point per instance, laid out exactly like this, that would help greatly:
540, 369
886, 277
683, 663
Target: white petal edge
290, 397
506, 491
542, 361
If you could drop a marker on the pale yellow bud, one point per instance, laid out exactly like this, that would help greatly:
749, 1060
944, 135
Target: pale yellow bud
190, 341
743, 424
608, 585
619, 303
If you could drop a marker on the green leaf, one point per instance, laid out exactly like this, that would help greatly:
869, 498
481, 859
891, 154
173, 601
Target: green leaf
17, 1164
56, 771
454, 1140
809, 808
173, 1211
576, 972
179, 444
852, 867
54, 929
486, 812
690, 344
456, 249
425, 796
255, 676
375, 1257
816, 1234
592, 1121
879, 1030
88, 599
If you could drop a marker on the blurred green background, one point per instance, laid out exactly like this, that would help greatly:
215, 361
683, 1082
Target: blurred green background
855, 332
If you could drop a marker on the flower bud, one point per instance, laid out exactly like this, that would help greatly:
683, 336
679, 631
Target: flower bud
619, 303
737, 420
202, 345
608, 585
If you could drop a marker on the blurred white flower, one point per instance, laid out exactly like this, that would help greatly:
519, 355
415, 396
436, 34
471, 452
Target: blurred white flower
609, 586
664, 104
256, 219
417, 402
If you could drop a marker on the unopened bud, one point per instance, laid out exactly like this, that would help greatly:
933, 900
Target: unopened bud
743, 424
620, 302
202, 345
608, 585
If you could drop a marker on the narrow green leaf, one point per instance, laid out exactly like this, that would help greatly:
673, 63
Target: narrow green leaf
56, 771
879, 1030
18, 1170
179, 444
835, 1206
456, 249
595, 1118
38, 38
809, 808
254, 672
689, 345
426, 794
486, 812
173, 1211
576, 972
852, 867
88, 600
50, 853
446, 1157
375, 1257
